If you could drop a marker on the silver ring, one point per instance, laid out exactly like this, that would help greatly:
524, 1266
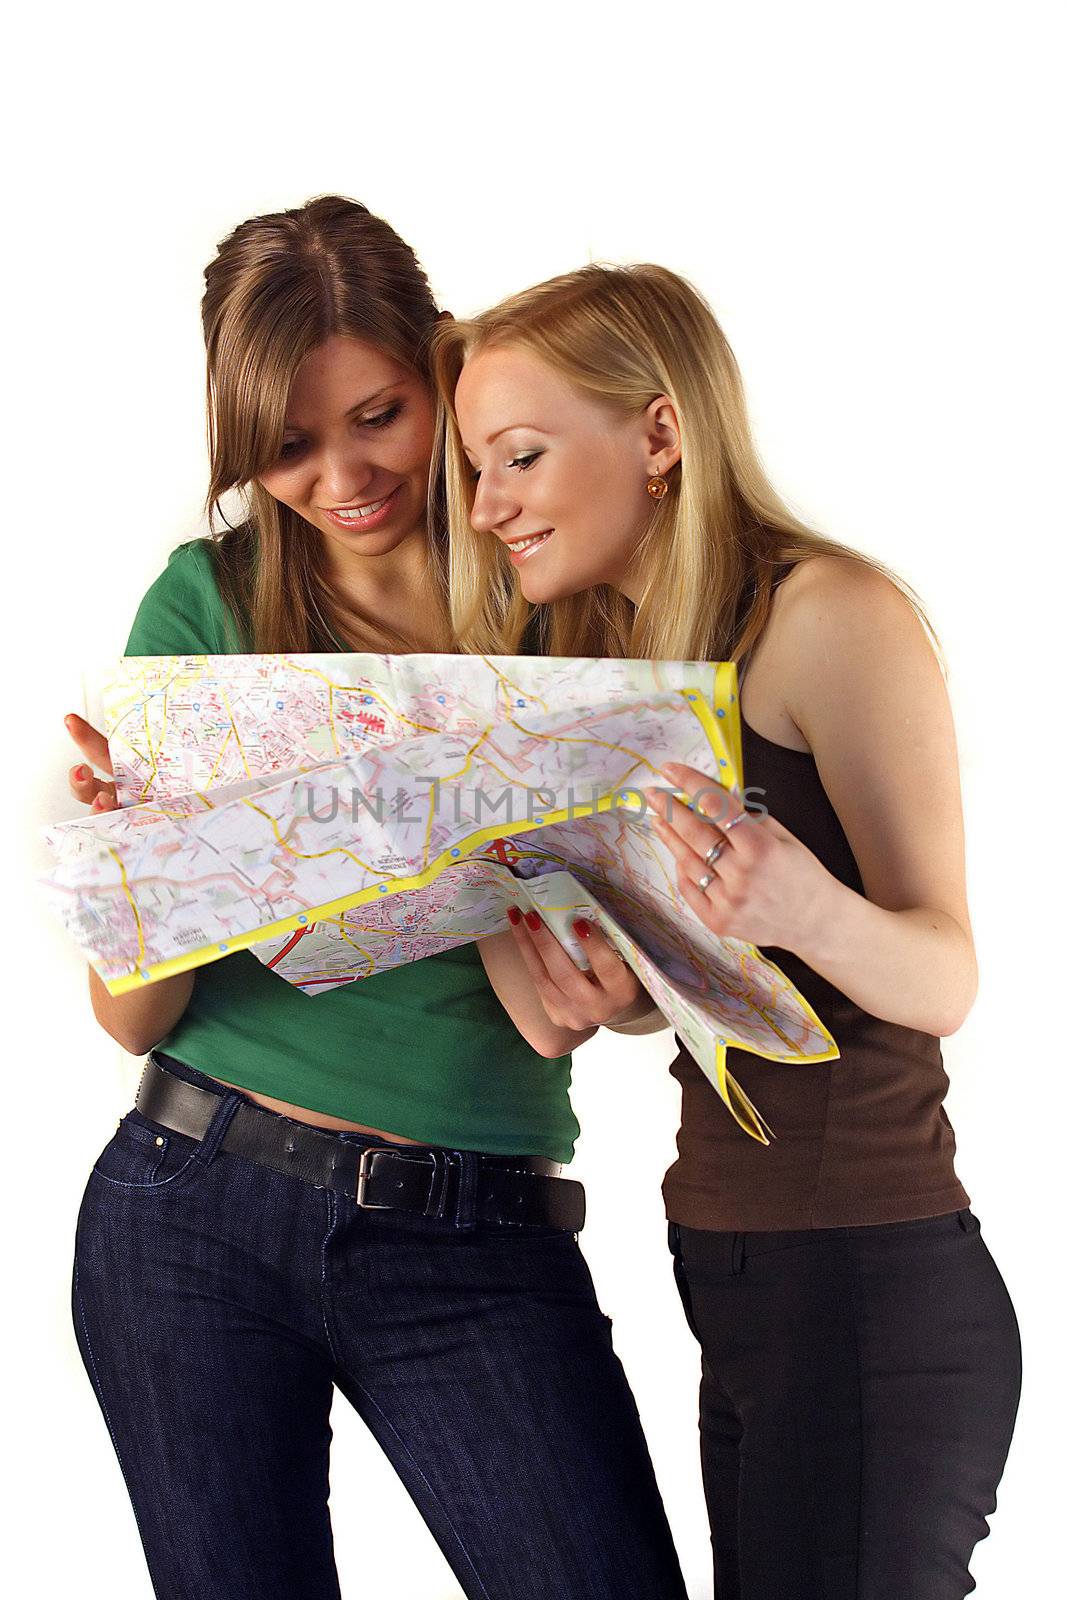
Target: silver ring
712, 855
742, 816
702, 883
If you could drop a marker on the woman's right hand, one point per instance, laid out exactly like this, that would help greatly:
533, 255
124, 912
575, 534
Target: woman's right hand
92, 791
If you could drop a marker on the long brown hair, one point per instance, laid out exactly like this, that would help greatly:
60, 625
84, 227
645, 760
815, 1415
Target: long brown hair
712, 551
280, 286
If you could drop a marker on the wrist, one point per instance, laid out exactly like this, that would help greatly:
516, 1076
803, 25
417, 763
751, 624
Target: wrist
636, 1011
820, 934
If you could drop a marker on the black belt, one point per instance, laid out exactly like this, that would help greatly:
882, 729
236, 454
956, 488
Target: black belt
498, 1189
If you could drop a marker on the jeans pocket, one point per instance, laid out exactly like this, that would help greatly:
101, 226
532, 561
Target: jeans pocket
142, 1156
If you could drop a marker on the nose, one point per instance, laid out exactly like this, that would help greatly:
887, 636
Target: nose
344, 474
493, 506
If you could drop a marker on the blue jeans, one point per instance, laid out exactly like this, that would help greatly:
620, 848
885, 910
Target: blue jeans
218, 1303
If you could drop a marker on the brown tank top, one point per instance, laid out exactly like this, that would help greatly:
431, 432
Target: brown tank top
860, 1140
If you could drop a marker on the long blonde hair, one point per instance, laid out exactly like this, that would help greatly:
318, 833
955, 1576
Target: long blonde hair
280, 286
713, 549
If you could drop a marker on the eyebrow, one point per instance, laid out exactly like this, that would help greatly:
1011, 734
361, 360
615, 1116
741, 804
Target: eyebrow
511, 427
294, 427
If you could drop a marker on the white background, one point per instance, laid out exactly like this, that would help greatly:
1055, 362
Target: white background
866, 195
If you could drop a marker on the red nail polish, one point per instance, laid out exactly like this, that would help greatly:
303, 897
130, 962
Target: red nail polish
582, 928
514, 916
81, 773
533, 921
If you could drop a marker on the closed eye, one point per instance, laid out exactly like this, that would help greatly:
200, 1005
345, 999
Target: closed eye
521, 463
382, 419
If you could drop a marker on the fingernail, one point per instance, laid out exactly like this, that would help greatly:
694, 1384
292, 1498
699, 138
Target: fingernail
68, 719
582, 928
533, 921
81, 773
97, 803
514, 916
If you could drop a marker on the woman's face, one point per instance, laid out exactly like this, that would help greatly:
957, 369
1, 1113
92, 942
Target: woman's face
355, 458
560, 478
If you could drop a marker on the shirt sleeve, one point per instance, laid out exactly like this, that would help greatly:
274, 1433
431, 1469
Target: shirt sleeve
183, 612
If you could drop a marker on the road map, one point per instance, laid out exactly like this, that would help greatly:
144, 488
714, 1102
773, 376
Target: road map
343, 814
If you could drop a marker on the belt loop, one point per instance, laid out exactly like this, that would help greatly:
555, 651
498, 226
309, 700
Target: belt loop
967, 1221
435, 1200
466, 1190
737, 1254
208, 1148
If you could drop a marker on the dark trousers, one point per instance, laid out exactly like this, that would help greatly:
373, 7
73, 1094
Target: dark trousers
858, 1395
217, 1306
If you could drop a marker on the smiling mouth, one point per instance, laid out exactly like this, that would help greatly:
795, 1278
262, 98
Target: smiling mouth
522, 549
358, 513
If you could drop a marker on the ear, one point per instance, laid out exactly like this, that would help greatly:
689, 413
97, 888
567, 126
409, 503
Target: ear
445, 316
661, 436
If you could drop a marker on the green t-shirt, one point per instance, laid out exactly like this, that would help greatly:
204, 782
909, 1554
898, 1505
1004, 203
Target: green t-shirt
424, 1050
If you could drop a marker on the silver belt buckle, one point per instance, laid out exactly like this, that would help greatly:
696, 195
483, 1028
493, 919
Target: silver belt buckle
361, 1180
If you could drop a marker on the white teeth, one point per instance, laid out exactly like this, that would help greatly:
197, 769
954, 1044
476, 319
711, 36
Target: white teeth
357, 512
524, 544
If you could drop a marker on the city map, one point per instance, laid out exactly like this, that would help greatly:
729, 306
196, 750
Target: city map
342, 814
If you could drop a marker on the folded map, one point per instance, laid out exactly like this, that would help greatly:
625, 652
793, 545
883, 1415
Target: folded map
343, 814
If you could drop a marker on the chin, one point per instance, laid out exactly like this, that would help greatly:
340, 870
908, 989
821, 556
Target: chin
539, 594
541, 589
378, 542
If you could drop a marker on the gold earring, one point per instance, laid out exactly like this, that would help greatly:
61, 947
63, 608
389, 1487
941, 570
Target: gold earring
657, 487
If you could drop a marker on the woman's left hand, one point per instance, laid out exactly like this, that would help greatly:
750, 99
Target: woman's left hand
762, 885
571, 998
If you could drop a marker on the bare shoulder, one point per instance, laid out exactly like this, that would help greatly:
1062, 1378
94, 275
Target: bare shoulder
840, 639
841, 644
833, 613
840, 592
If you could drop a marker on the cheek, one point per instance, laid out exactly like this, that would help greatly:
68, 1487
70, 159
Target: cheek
411, 446
290, 488
606, 507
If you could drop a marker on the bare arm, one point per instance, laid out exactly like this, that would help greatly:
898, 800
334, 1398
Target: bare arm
869, 696
848, 660
139, 1019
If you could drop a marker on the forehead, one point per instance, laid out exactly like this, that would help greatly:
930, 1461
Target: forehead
339, 374
501, 387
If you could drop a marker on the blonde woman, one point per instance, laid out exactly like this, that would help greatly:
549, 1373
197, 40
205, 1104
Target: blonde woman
861, 1359
358, 1192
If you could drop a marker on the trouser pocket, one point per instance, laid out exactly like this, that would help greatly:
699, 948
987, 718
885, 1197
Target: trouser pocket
681, 1278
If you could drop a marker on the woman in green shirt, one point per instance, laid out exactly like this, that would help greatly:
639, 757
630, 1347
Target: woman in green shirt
358, 1189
